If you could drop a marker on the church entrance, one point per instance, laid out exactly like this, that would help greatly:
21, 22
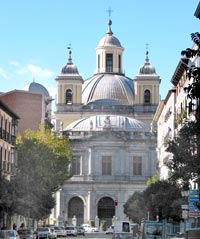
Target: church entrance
75, 208
106, 211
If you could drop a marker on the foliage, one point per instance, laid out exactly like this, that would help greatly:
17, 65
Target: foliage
193, 72
184, 163
5, 194
161, 198
153, 179
135, 208
43, 167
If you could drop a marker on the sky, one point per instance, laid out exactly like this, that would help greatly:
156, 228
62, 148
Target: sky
35, 35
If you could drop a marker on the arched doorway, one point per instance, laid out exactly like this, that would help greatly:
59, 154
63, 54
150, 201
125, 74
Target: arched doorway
76, 208
106, 210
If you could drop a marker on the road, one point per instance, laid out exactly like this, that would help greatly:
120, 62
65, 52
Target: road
94, 235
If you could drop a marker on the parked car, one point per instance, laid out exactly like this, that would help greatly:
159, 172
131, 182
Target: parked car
179, 235
71, 230
9, 234
89, 228
45, 232
53, 234
26, 234
80, 230
60, 231
110, 230
122, 235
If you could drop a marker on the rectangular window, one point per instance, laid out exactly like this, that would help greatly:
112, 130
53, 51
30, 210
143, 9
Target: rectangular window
119, 60
98, 62
106, 165
137, 165
109, 63
76, 165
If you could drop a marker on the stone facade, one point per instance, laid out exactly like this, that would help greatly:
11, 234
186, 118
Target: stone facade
107, 118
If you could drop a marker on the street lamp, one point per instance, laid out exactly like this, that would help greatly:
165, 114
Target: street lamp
185, 194
63, 214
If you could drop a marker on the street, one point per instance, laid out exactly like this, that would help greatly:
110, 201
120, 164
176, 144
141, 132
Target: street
93, 235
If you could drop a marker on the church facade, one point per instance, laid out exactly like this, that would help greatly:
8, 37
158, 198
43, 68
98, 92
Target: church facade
107, 118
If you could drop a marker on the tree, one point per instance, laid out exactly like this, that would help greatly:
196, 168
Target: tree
43, 167
184, 163
6, 199
135, 208
193, 72
161, 198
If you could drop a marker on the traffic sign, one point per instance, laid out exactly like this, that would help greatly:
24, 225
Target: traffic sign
194, 213
185, 207
192, 207
184, 214
193, 199
194, 192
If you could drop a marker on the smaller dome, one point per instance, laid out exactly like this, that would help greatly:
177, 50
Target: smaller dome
103, 122
36, 88
147, 68
69, 68
109, 39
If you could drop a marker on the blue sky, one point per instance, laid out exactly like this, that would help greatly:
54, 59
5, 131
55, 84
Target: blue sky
35, 35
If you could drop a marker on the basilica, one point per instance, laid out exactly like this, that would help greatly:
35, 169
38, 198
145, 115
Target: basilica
108, 119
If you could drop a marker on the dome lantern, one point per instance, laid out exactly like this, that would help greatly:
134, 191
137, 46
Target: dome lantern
109, 54
69, 68
147, 68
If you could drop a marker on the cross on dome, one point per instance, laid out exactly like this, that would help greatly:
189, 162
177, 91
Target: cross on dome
109, 12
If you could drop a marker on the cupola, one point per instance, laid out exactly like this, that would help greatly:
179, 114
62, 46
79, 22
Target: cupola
109, 54
147, 68
69, 84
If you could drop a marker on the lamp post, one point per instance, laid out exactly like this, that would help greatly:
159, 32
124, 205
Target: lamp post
63, 214
185, 194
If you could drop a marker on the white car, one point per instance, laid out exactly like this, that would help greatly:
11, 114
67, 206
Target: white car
60, 231
71, 230
89, 228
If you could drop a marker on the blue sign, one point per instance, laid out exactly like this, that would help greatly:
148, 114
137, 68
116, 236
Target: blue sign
193, 199
194, 192
192, 208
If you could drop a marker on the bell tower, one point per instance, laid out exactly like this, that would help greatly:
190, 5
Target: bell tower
147, 84
69, 84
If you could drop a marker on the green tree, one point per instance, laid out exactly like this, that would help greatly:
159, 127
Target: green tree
6, 200
153, 179
161, 198
135, 208
193, 72
43, 167
184, 163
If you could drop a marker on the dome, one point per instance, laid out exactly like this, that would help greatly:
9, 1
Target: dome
147, 68
103, 122
36, 88
109, 39
108, 89
69, 68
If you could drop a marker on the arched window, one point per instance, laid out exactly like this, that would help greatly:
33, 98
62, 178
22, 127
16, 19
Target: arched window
147, 97
106, 210
76, 208
68, 96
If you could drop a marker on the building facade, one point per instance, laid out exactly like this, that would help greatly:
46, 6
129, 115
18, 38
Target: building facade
8, 132
107, 118
8, 160
32, 104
